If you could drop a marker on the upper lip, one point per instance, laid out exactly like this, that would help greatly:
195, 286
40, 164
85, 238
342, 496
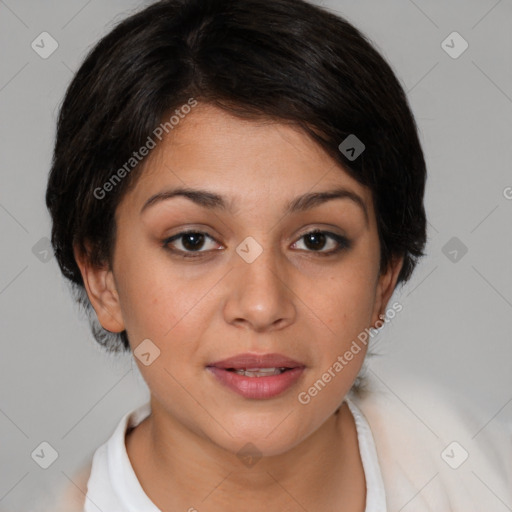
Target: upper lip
245, 361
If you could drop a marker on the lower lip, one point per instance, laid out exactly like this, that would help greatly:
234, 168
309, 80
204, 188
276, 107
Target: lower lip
257, 387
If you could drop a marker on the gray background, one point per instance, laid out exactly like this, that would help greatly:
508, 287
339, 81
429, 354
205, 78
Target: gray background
57, 386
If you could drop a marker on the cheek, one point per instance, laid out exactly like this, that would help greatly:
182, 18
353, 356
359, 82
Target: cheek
148, 304
347, 300
345, 308
158, 302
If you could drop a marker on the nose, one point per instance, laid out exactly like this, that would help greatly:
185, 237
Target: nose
260, 295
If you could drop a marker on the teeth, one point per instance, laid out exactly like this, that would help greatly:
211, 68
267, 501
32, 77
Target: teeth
260, 372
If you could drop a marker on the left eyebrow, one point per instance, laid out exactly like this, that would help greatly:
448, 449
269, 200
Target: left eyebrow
301, 203
312, 199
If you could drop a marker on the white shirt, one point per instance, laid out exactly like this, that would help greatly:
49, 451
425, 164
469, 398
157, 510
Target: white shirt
114, 487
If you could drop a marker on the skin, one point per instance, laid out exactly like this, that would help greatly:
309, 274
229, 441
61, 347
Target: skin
290, 300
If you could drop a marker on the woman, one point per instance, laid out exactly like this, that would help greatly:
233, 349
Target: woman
237, 190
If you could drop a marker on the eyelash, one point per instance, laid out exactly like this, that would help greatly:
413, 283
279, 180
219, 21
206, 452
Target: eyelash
343, 243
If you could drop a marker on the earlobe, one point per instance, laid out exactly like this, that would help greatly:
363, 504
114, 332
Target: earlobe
385, 288
101, 289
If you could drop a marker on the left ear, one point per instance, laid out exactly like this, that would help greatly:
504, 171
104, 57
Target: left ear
385, 287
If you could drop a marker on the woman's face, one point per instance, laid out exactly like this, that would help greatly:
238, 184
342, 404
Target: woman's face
250, 279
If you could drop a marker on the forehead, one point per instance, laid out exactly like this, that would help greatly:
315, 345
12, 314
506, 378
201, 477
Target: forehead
251, 162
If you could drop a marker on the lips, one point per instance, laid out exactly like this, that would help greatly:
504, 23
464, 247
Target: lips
257, 376
257, 361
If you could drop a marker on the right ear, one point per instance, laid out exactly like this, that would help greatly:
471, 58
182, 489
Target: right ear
101, 290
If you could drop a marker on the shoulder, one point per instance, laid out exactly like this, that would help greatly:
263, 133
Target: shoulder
435, 411
94, 475
72, 497
437, 443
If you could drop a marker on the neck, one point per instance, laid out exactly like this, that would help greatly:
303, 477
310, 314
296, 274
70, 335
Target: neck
180, 469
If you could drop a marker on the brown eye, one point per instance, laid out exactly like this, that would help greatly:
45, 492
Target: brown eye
191, 242
316, 241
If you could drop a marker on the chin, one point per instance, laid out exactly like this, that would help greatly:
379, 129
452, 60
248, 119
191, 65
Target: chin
267, 437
